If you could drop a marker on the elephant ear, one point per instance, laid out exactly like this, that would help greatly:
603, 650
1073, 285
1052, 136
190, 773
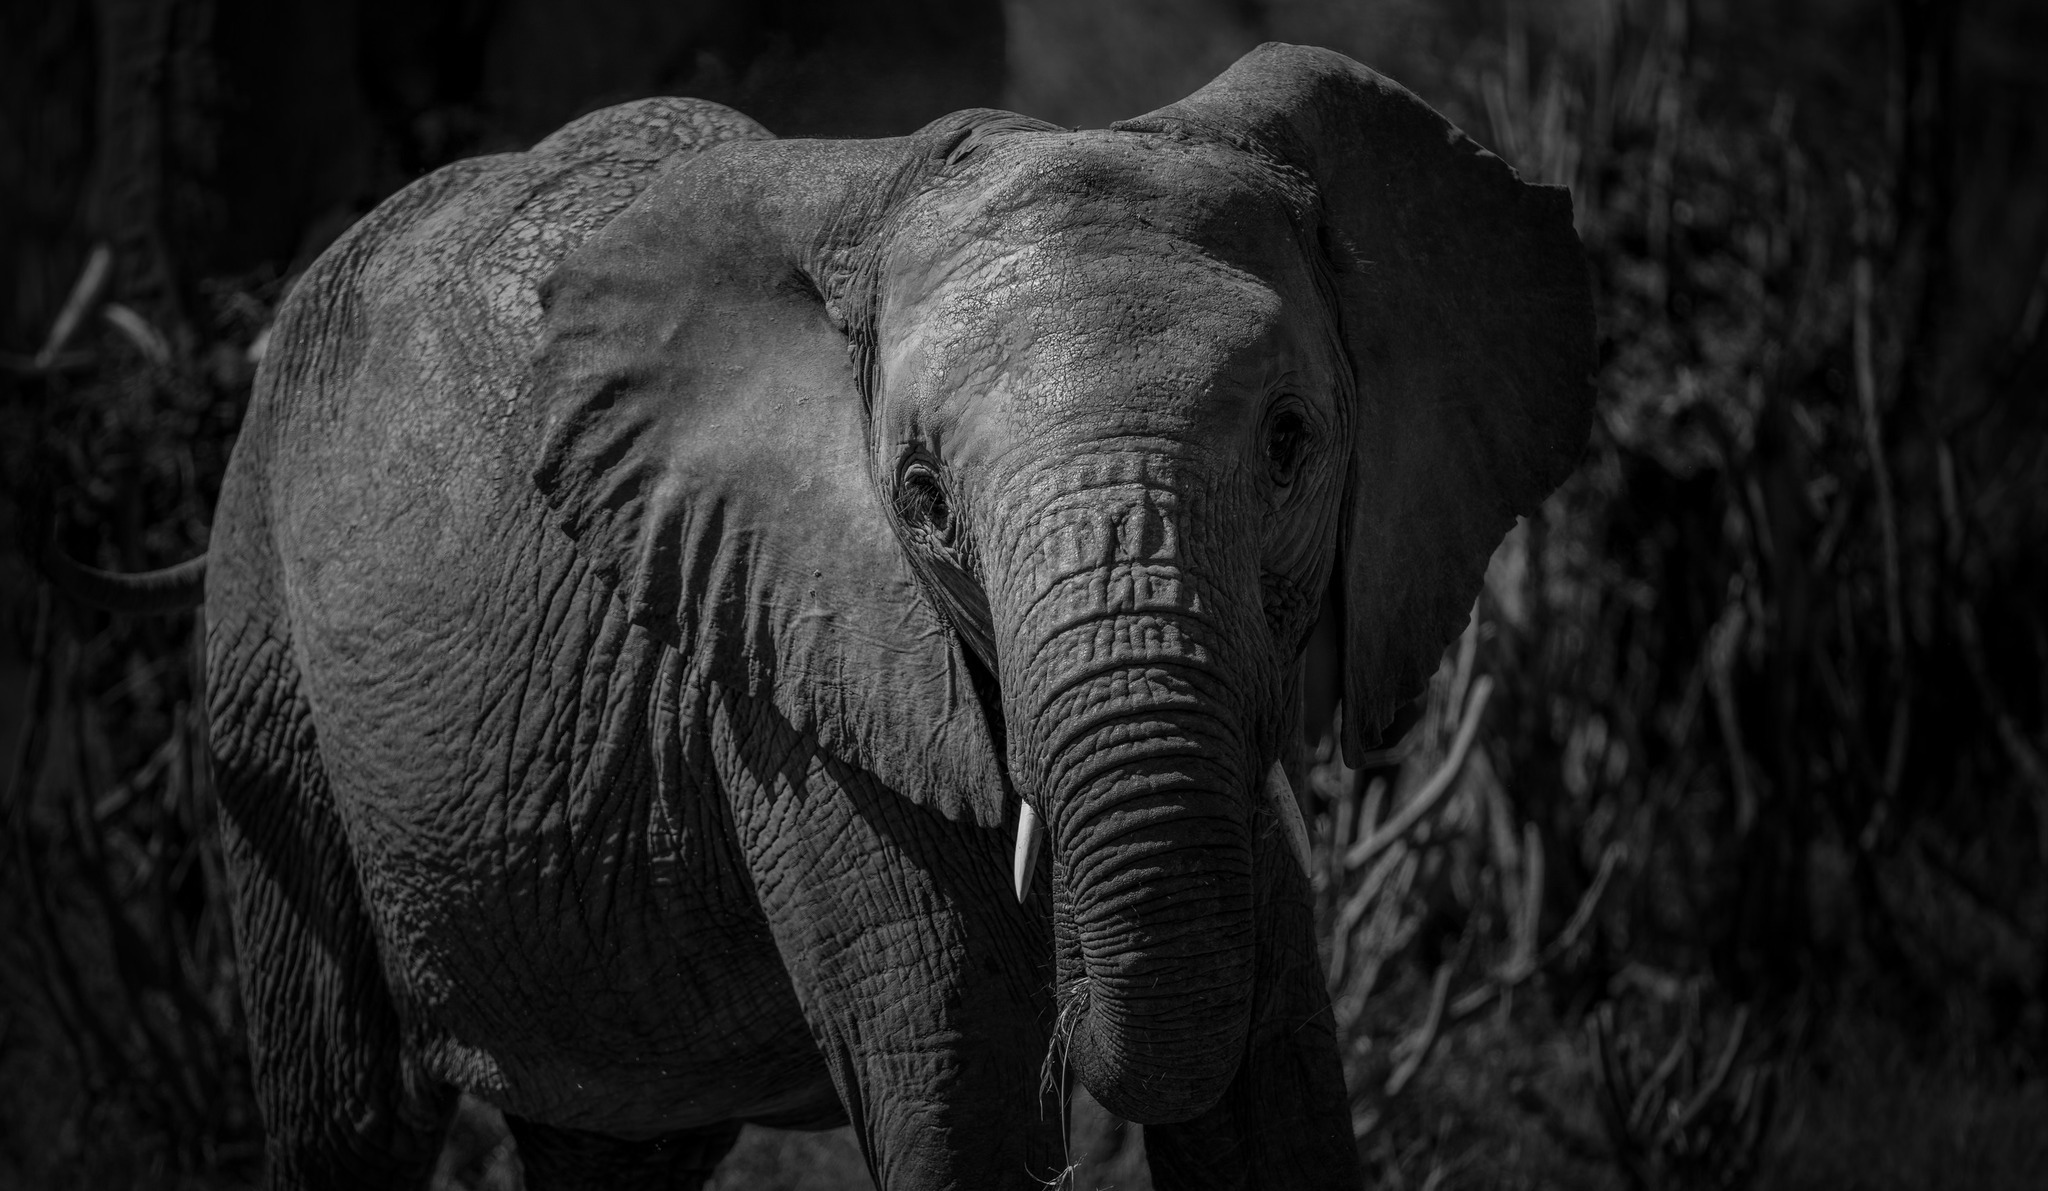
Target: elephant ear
704, 443
1467, 313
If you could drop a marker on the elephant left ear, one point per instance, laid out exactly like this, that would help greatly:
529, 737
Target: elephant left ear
704, 442
1467, 313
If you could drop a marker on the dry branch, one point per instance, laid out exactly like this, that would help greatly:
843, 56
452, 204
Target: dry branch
1433, 791
85, 294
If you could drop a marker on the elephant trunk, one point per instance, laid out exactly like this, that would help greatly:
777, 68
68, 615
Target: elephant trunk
1127, 734
1153, 917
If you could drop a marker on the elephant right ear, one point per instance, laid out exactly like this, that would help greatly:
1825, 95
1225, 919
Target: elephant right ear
704, 442
1467, 312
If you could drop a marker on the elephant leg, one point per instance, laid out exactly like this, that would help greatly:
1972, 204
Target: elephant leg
553, 1159
925, 984
342, 1106
1283, 1122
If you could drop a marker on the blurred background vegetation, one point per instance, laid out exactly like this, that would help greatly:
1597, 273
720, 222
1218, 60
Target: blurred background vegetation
1717, 854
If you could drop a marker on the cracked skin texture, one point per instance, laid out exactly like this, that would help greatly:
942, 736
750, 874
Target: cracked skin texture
656, 563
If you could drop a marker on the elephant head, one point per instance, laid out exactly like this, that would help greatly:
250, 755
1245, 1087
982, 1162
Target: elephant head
1014, 463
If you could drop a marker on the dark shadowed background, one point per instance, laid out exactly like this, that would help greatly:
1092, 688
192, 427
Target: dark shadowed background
1717, 854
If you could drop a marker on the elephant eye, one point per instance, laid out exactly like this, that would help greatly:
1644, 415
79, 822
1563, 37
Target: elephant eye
1286, 443
921, 501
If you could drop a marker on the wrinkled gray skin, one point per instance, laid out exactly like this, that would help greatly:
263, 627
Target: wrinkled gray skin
656, 564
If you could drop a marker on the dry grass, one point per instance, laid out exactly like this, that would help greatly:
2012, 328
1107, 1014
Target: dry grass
780, 1160
1872, 1112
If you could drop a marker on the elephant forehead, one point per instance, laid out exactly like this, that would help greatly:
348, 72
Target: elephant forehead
1238, 207
1061, 278
1053, 322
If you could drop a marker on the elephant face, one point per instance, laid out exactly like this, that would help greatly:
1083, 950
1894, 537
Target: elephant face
1104, 327
1087, 290
1004, 458
1110, 418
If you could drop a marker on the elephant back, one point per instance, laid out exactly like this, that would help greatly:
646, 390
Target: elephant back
452, 263
411, 335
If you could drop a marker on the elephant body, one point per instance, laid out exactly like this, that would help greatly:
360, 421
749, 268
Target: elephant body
666, 576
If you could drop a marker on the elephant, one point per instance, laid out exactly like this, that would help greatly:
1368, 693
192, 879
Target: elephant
705, 628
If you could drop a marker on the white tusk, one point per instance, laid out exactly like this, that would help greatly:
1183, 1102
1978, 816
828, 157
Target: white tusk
1030, 834
1282, 795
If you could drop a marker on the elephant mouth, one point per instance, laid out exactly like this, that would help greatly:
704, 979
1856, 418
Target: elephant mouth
988, 692
1030, 828
963, 604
